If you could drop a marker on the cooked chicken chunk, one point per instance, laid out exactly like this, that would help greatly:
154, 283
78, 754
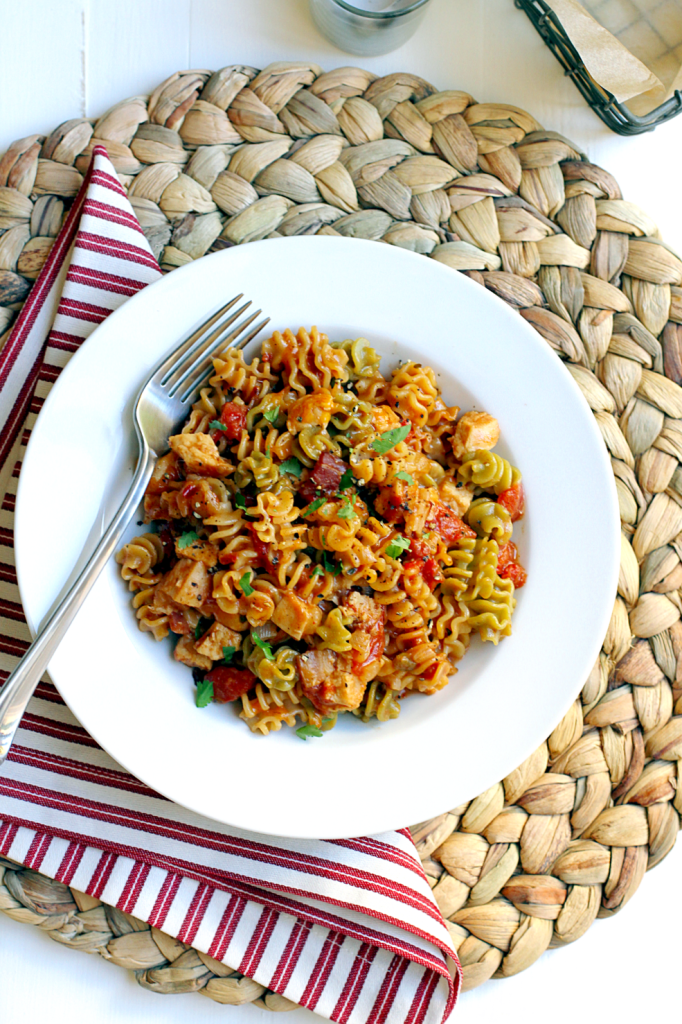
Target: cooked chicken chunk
455, 495
200, 455
198, 551
367, 619
364, 610
383, 418
212, 642
475, 431
326, 681
187, 583
311, 409
297, 617
186, 652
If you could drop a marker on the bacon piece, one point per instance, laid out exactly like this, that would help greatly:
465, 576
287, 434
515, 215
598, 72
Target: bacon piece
324, 478
263, 556
230, 683
178, 623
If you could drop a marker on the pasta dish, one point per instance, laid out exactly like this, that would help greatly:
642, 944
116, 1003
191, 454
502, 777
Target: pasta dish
324, 539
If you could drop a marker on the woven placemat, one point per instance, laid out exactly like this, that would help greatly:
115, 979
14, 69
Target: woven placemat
211, 160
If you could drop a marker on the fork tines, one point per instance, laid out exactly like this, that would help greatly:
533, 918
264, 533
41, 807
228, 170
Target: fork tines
190, 372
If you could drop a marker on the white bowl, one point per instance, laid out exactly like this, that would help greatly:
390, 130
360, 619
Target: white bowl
138, 703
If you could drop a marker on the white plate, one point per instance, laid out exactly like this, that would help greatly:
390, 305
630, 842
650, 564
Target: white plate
138, 703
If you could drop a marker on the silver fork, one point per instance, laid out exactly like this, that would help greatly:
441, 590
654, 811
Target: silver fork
161, 407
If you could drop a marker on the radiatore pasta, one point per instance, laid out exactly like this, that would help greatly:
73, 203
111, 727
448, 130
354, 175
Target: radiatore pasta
323, 539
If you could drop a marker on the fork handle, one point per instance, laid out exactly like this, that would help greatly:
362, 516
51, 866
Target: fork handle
20, 685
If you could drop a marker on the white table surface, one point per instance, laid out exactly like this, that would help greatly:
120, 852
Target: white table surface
67, 58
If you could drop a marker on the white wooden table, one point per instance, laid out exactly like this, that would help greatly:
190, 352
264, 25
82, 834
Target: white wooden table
78, 57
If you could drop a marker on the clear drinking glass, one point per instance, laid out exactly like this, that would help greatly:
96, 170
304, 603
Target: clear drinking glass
368, 27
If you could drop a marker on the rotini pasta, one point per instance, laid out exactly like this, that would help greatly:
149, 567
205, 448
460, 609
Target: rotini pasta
325, 539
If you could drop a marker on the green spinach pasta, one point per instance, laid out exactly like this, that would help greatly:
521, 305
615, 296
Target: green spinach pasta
324, 539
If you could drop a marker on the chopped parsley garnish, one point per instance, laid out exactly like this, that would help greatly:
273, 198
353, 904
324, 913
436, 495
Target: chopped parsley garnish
204, 694
201, 627
390, 438
313, 507
245, 585
346, 511
397, 546
228, 654
271, 414
330, 565
346, 480
308, 730
292, 466
402, 475
317, 571
217, 425
240, 501
186, 539
265, 648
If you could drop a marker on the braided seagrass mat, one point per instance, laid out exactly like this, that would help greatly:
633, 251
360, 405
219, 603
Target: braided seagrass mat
211, 160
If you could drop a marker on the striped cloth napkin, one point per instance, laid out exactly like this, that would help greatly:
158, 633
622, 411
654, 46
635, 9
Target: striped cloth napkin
347, 928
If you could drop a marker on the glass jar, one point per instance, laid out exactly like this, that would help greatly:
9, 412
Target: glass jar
368, 27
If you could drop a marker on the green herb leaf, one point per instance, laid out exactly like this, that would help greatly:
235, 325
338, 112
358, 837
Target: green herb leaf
265, 648
313, 507
239, 500
201, 627
317, 571
346, 511
204, 694
308, 730
245, 585
271, 414
228, 654
347, 480
402, 475
397, 546
390, 438
217, 425
330, 565
186, 539
292, 466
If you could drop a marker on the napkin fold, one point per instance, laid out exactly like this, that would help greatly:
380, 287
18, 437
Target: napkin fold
348, 928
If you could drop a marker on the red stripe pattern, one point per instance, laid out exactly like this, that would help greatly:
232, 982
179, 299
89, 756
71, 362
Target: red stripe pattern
347, 928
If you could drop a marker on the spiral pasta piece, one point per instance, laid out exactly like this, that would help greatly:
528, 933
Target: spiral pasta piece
490, 520
488, 470
138, 558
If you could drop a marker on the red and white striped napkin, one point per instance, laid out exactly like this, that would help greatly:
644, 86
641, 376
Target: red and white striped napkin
348, 928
